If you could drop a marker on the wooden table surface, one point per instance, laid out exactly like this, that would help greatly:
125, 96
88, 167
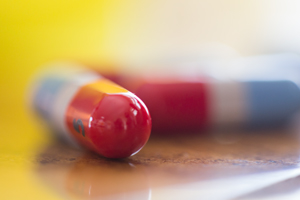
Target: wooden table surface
219, 164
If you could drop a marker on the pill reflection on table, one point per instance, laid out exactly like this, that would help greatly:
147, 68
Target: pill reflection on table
101, 179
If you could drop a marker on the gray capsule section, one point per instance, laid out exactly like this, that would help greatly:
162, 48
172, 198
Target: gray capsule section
271, 102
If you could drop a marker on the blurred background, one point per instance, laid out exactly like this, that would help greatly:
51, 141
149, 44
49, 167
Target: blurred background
33, 33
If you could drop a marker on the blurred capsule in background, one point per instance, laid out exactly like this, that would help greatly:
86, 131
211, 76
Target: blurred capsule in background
84, 108
253, 92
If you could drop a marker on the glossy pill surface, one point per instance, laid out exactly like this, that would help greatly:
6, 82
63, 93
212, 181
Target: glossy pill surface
91, 111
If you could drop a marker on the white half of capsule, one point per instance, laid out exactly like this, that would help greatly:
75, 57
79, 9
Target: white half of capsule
227, 103
73, 77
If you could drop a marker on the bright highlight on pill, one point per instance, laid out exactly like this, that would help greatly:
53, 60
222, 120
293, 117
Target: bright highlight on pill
84, 108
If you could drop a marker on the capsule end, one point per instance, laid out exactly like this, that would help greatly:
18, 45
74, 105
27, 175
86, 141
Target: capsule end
120, 125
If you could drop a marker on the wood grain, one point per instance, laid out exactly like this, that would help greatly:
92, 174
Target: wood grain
170, 160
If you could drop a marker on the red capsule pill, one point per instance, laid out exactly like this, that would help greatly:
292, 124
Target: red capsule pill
86, 109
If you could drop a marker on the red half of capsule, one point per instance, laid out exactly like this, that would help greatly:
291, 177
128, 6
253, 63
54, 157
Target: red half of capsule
115, 125
174, 104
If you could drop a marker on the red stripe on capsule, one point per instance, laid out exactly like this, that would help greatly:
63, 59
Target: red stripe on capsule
108, 120
175, 104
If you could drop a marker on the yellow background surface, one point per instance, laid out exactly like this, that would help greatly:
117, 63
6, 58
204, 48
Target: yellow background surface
31, 34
